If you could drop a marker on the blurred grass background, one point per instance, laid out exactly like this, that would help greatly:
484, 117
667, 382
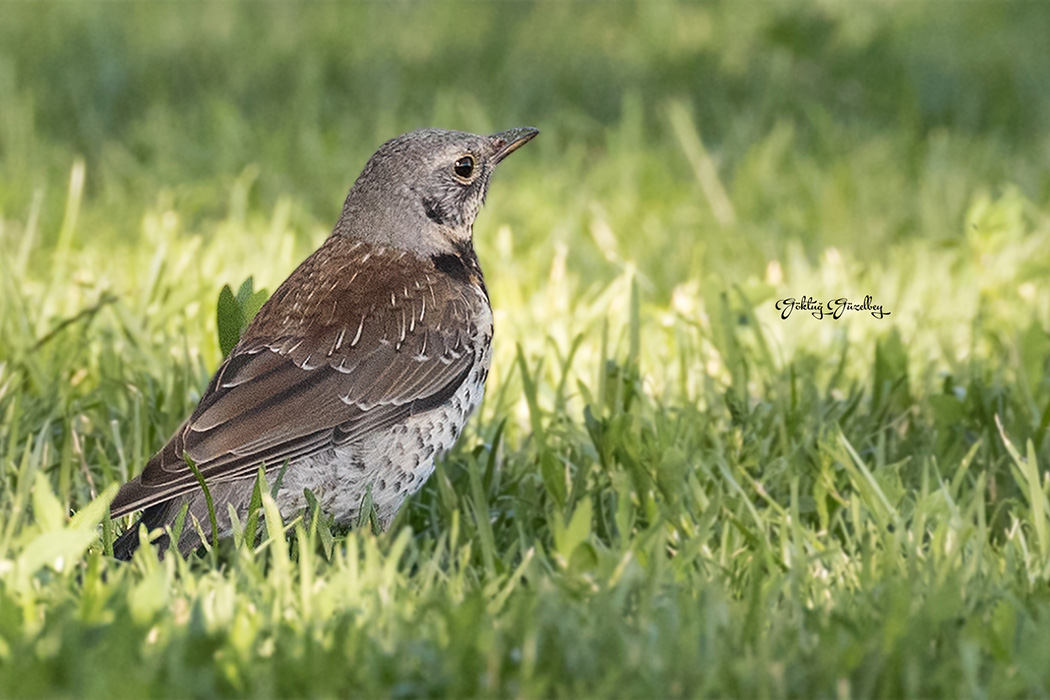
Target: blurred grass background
670, 491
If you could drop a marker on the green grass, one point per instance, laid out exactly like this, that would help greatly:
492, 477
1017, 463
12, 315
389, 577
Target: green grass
670, 491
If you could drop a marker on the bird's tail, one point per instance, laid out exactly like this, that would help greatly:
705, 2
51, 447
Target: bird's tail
153, 517
166, 512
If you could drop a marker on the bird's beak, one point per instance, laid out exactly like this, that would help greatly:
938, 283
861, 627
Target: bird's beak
506, 142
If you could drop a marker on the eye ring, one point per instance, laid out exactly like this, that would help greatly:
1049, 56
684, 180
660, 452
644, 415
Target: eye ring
464, 167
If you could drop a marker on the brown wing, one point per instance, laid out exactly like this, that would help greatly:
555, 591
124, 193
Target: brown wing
358, 338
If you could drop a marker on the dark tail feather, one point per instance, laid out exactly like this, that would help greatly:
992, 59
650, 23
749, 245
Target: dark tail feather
167, 512
153, 517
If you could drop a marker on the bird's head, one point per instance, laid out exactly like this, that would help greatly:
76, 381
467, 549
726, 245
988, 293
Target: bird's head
422, 190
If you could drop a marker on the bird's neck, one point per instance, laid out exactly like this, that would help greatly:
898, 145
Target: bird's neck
406, 227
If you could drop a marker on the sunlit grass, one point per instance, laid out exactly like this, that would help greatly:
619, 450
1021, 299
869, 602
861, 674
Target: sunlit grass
670, 490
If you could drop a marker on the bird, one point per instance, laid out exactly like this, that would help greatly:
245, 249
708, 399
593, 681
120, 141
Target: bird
360, 369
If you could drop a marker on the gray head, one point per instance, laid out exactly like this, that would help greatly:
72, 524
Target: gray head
422, 190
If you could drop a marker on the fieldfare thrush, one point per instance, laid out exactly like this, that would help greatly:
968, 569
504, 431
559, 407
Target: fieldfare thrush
361, 368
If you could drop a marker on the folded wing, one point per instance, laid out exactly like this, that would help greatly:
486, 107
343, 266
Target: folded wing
342, 349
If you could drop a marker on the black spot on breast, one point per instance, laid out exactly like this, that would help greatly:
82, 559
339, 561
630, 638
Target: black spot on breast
453, 266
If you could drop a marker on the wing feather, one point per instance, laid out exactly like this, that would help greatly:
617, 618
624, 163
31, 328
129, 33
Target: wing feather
306, 377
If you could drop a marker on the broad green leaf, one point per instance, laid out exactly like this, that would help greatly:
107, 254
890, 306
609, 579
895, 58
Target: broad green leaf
230, 320
92, 514
56, 549
46, 508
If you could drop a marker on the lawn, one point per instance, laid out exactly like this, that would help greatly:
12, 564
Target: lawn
671, 489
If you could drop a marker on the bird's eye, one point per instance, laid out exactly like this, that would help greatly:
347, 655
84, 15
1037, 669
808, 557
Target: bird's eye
464, 167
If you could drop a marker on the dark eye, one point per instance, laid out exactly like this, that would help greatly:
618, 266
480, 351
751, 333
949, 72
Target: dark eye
464, 167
